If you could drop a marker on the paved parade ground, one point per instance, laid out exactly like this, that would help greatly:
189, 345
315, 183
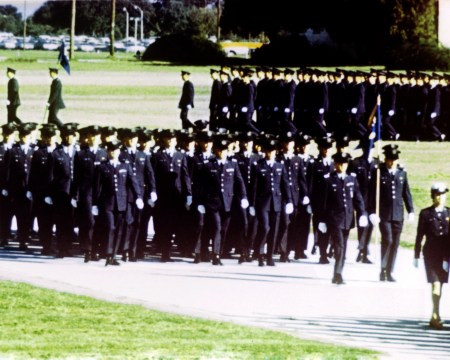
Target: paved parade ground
297, 297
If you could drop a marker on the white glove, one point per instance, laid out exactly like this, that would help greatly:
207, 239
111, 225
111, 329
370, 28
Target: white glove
201, 209
416, 263
188, 107
354, 110
94, 210
7, 102
363, 222
275, 109
244, 203
445, 266
225, 109
5, 192
48, 200
244, 109
47, 105
189, 200
305, 201
419, 113
309, 209
391, 112
252, 211
150, 203
287, 110
321, 110
139, 203
29, 195
411, 217
73, 202
433, 115
374, 219
323, 228
153, 196
289, 208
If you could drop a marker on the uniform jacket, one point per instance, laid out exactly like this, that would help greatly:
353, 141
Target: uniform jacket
436, 230
55, 98
13, 92
269, 186
215, 95
245, 165
318, 172
110, 190
63, 168
83, 172
340, 200
171, 174
296, 178
41, 173
363, 170
18, 165
219, 184
187, 95
394, 191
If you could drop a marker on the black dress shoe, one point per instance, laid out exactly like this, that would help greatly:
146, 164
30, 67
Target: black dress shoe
4, 243
132, 259
242, 259
166, 259
390, 278
301, 255
334, 280
383, 275
339, 280
94, 257
197, 259
270, 262
23, 247
324, 260
60, 255
114, 262
261, 261
366, 260
284, 258
124, 257
216, 260
87, 257
359, 257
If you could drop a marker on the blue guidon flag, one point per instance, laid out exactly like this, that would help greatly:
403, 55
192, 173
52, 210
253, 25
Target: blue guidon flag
62, 57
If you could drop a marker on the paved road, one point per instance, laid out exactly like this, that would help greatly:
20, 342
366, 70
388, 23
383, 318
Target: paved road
297, 297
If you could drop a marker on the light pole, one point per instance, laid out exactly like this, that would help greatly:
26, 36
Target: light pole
136, 19
127, 22
142, 21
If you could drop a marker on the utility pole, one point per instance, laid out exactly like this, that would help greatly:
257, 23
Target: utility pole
136, 19
142, 21
24, 22
72, 30
113, 27
127, 24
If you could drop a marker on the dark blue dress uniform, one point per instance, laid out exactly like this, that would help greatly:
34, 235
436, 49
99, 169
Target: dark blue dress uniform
110, 194
433, 112
214, 110
63, 167
14, 100
145, 177
186, 102
340, 201
225, 105
55, 102
394, 191
5, 201
220, 184
269, 190
173, 185
434, 225
85, 162
40, 184
18, 163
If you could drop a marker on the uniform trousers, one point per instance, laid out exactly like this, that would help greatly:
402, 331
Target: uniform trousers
45, 221
114, 225
167, 219
220, 221
21, 208
299, 230
185, 122
364, 236
282, 237
6, 216
86, 226
268, 223
339, 239
147, 213
387, 129
12, 115
435, 133
132, 230
390, 239
53, 117
63, 215
321, 239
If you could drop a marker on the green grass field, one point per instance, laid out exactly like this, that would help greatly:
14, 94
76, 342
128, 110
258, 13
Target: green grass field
127, 92
45, 324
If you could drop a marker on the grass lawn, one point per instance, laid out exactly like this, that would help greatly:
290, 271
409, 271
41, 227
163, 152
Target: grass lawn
127, 92
45, 324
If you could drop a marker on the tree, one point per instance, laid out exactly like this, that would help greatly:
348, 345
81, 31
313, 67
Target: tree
10, 20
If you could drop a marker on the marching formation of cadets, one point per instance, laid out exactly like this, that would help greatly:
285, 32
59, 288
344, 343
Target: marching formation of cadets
207, 192
414, 106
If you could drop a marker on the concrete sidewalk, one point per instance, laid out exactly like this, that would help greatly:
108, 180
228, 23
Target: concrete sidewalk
298, 297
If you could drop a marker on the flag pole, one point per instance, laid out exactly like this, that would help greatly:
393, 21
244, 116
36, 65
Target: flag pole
377, 190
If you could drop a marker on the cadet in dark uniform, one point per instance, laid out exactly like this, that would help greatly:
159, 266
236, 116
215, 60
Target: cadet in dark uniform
13, 101
86, 159
18, 163
40, 185
214, 101
187, 100
394, 191
173, 186
245, 103
55, 101
9, 131
434, 225
220, 181
269, 189
63, 163
112, 180
341, 198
